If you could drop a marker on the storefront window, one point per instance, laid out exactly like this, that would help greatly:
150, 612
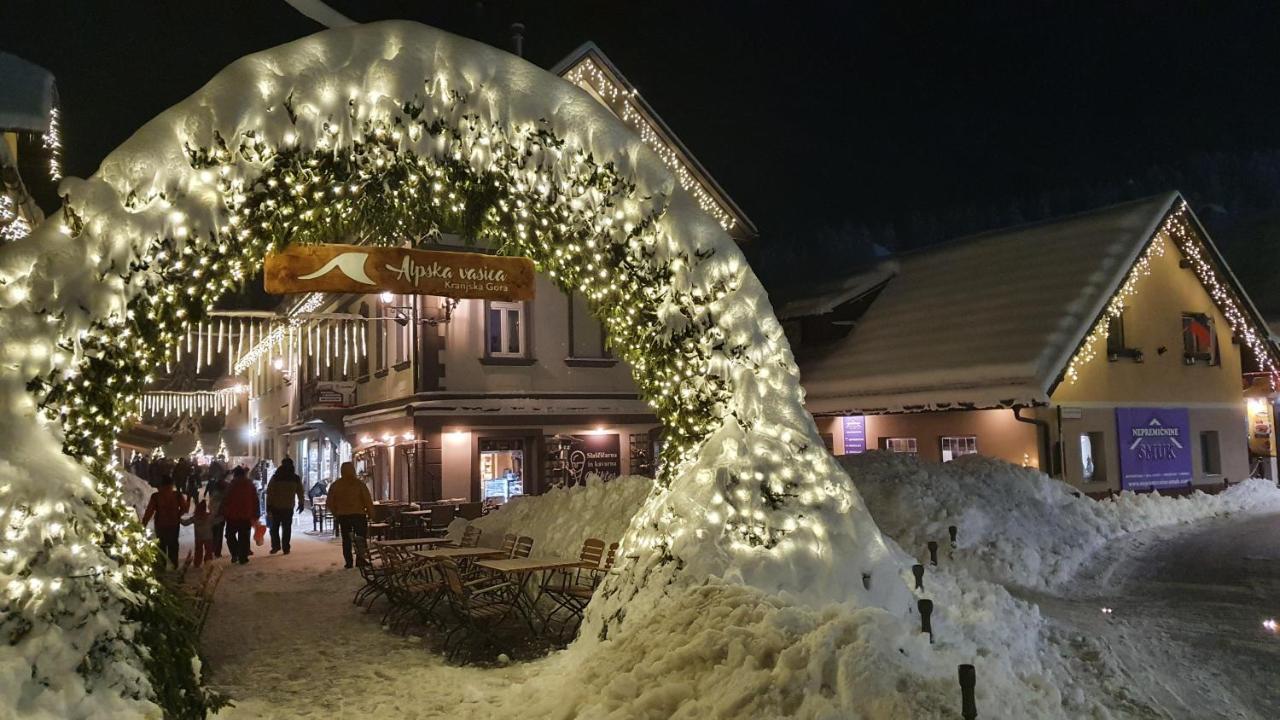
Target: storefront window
899, 445
501, 469
1091, 445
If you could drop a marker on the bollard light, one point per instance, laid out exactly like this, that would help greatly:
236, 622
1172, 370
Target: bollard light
925, 606
968, 683
933, 552
866, 580
918, 571
952, 530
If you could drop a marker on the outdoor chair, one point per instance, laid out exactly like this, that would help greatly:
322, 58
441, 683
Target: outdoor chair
413, 590
471, 510
441, 516
478, 610
571, 589
523, 548
508, 544
470, 537
373, 569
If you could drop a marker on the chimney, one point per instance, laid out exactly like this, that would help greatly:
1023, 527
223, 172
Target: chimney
517, 38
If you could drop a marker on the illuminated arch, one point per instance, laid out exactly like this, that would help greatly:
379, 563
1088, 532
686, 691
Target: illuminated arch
395, 130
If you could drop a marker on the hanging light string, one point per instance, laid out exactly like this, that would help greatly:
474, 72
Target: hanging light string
1179, 229
163, 403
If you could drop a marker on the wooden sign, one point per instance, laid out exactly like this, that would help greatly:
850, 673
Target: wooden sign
368, 269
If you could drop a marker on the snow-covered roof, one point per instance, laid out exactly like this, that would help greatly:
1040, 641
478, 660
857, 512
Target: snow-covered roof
589, 68
830, 296
28, 95
983, 321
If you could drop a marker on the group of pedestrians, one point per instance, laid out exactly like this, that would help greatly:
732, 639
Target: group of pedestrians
231, 508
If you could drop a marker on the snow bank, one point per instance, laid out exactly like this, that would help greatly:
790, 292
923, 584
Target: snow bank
560, 520
727, 650
1018, 526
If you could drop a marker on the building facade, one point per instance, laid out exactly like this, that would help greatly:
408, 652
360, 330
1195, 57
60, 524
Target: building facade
1109, 349
441, 398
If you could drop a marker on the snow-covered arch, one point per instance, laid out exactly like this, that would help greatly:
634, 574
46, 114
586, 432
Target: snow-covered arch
394, 130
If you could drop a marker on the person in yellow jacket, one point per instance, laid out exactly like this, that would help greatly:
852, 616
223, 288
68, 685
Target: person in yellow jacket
350, 504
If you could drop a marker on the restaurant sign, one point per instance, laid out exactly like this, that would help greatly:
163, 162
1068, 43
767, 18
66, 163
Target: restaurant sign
370, 269
597, 454
1155, 448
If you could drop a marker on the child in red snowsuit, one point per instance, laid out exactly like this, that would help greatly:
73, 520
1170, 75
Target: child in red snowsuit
167, 506
202, 521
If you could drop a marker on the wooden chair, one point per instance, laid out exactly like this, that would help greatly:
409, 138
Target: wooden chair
572, 589
470, 537
523, 548
479, 611
441, 516
374, 570
508, 544
414, 589
471, 510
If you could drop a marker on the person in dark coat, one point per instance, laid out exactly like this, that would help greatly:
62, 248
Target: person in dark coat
167, 506
284, 488
240, 509
215, 493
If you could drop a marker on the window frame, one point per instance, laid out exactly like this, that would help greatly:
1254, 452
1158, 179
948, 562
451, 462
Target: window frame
967, 440
522, 329
1194, 355
888, 443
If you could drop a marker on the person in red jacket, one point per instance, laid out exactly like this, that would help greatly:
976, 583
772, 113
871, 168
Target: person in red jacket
240, 508
167, 506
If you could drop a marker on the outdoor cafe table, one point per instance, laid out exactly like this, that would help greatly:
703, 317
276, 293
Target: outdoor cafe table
412, 542
524, 568
458, 553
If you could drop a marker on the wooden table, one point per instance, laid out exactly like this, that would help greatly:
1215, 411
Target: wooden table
524, 568
379, 529
450, 553
412, 542
416, 513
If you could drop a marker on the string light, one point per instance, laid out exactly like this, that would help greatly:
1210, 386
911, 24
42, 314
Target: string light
1178, 228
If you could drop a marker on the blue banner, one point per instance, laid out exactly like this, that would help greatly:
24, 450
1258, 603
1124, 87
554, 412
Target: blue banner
1155, 447
854, 432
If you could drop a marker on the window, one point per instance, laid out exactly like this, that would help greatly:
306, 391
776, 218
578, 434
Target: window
1092, 457
899, 445
380, 334
1210, 453
957, 445
404, 328
504, 330
586, 333
363, 366
1199, 341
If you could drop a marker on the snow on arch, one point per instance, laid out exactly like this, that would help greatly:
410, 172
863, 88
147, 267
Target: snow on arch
755, 499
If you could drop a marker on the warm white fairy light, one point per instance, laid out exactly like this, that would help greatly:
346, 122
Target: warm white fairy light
52, 141
1177, 228
196, 402
588, 75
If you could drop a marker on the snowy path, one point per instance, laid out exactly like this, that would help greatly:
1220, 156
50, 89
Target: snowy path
284, 641
1186, 627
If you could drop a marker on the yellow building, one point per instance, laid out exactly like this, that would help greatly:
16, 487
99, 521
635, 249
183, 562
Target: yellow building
1108, 348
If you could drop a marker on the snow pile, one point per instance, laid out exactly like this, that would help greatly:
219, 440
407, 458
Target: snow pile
726, 650
1017, 526
561, 519
137, 492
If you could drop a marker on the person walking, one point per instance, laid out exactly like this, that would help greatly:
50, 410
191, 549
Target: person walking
284, 487
240, 509
167, 506
202, 522
350, 504
215, 493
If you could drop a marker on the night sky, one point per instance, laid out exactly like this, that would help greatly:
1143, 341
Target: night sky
808, 118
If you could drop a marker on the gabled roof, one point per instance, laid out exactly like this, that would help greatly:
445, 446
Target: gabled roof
590, 69
828, 296
991, 320
28, 95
